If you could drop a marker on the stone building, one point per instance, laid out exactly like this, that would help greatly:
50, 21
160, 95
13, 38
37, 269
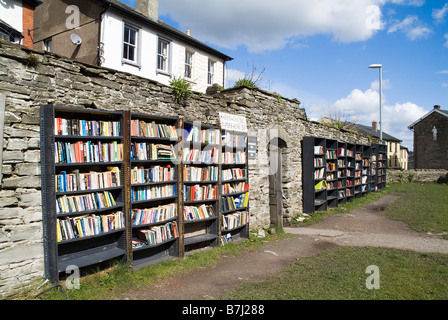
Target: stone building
111, 34
430, 140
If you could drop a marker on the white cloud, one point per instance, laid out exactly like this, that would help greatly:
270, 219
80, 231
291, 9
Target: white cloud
440, 14
443, 72
363, 107
445, 85
446, 41
270, 25
412, 27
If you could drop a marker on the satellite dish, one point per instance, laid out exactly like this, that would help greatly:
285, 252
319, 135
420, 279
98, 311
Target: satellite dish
76, 39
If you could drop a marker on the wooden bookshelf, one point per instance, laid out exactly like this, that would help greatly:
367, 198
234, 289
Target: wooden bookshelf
350, 166
200, 196
234, 184
154, 188
83, 194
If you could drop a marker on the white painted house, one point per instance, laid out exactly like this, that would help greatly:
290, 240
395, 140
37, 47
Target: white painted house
133, 40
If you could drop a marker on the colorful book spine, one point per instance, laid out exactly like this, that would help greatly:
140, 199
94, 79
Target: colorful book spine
86, 128
78, 181
156, 235
88, 152
200, 192
141, 175
192, 213
235, 220
85, 202
153, 215
140, 128
153, 192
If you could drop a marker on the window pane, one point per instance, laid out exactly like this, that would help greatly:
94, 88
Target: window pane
131, 53
126, 34
132, 35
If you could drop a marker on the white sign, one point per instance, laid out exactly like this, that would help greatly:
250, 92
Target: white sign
232, 122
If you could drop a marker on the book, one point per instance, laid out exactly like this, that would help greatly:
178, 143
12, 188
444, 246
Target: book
141, 175
88, 152
153, 192
192, 174
156, 234
153, 215
192, 213
86, 128
83, 181
235, 220
151, 129
200, 192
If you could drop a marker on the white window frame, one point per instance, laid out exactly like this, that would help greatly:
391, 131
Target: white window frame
48, 44
188, 64
165, 56
210, 71
4, 36
136, 45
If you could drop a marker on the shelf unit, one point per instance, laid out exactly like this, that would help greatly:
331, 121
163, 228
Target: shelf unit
379, 154
201, 197
234, 184
83, 194
154, 188
351, 167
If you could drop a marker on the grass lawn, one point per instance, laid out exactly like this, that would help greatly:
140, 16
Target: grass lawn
424, 207
340, 274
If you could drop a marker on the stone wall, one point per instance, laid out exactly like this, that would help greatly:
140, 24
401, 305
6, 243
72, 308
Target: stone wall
415, 175
31, 78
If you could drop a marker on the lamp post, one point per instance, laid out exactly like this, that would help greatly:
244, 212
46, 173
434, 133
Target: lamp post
380, 66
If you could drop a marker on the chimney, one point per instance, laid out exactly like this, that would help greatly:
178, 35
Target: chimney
375, 126
149, 8
188, 32
436, 107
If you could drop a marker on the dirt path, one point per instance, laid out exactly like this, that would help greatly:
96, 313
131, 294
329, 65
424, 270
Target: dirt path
361, 227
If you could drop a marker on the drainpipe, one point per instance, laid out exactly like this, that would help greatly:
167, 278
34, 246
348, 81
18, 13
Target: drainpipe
99, 33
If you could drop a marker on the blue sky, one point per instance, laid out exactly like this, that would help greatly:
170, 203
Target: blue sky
319, 52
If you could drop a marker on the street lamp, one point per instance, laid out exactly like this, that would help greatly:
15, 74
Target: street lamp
380, 66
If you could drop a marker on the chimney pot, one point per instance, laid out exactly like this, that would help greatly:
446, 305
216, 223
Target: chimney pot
436, 107
375, 126
148, 8
188, 32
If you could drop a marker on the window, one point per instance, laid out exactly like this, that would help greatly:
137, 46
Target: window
211, 72
130, 44
188, 64
4, 36
163, 55
48, 43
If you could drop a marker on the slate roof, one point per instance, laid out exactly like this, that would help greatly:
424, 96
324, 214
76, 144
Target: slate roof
376, 134
442, 112
162, 26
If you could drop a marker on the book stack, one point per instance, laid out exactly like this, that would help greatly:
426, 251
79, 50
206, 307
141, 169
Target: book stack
234, 141
234, 157
200, 174
198, 192
151, 151
192, 213
86, 128
200, 156
140, 128
233, 174
85, 226
86, 202
88, 151
77, 181
318, 162
331, 154
141, 175
196, 134
229, 188
235, 220
232, 203
318, 150
153, 215
156, 235
153, 192
319, 174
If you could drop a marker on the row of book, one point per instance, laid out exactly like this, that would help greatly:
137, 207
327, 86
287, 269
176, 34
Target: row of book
210, 156
153, 174
233, 140
318, 150
86, 128
319, 174
85, 226
200, 174
234, 174
79, 181
85, 202
140, 128
318, 162
234, 157
88, 151
153, 192
229, 188
235, 220
155, 235
192, 213
233, 203
153, 215
151, 151
198, 192
331, 154
196, 134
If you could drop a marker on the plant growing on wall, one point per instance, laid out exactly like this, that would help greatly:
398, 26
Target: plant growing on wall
181, 89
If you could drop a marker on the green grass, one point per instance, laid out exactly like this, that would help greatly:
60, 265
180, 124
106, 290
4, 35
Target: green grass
340, 274
110, 284
424, 207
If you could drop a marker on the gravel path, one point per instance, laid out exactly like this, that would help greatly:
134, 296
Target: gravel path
361, 227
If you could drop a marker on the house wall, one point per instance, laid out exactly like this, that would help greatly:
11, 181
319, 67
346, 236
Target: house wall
112, 41
63, 82
430, 154
58, 22
12, 13
28, 25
